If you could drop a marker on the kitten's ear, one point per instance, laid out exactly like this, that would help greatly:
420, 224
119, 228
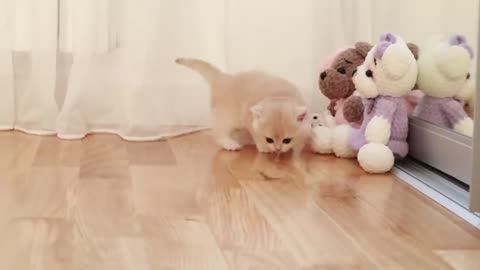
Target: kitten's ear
256, 110
301, 113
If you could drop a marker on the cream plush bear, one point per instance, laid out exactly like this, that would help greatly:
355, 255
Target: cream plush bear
328, 137
443, 75
324, 119
383, 80
332, 138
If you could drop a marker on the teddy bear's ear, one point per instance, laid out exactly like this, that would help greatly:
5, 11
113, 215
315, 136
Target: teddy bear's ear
414, 49
459, 40
363, 48
397, 61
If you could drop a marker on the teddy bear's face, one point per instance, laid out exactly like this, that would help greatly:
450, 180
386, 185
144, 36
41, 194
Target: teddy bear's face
336, 81
390, 69
443, 69
317, 120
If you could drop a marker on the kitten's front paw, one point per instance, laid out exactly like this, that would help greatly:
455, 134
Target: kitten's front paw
230, 144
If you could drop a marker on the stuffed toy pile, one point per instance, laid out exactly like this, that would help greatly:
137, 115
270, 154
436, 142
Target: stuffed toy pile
443, 75
382, 83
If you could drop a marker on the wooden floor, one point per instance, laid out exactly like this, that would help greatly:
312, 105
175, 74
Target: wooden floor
103, 203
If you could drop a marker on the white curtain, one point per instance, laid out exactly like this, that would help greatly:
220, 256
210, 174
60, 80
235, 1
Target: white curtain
71, 67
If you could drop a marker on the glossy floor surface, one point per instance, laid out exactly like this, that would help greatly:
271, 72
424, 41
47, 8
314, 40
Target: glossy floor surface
103, 203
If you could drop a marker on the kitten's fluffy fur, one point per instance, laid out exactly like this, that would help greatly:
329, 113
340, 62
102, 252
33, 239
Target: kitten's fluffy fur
270, 109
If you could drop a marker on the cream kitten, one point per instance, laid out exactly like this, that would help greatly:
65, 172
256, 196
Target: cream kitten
270, 109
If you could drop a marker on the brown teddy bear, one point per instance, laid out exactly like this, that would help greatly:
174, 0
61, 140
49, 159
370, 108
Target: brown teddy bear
335, 81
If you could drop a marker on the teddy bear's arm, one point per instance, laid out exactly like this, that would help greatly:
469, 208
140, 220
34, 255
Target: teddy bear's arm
331, 107
454, 111
457, 117
353, 109
378, 129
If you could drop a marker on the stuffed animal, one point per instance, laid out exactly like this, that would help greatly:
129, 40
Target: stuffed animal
443, 75
388, 74
322, 124
335, 80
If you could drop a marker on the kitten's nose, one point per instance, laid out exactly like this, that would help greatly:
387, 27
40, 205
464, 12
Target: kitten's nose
323, 75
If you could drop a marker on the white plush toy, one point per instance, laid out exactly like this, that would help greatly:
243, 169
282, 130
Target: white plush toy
330, 138
327, 137
443, 75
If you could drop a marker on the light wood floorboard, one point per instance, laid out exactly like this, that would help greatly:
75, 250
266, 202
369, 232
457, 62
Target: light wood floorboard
182, 203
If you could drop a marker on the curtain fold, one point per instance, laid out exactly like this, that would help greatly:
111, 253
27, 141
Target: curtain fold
29, 32
7, 95
71, 67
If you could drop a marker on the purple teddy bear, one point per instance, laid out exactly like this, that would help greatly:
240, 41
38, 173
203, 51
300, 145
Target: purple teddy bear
383, 80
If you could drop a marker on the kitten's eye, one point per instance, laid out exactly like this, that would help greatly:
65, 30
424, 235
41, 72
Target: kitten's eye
269, 140
287, 140
375, 61
315, 117
341, 70
369, 73
468, 76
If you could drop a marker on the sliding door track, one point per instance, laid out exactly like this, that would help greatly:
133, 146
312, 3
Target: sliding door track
443, 189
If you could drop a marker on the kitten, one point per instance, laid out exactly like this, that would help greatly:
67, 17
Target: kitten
270, 109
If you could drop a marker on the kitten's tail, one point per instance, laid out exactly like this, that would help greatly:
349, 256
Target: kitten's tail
207, 70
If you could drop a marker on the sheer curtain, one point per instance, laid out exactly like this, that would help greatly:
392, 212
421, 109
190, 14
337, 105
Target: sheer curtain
71, 67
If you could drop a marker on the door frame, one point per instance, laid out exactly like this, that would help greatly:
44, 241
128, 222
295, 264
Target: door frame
475, 180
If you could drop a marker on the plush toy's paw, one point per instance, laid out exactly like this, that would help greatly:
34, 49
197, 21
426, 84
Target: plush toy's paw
322, 140
464, 126
378, 130
230, 144
353, 109
375, 158
340, 145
